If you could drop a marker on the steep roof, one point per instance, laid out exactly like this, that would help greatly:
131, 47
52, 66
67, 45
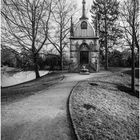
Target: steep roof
84, 33
83, 29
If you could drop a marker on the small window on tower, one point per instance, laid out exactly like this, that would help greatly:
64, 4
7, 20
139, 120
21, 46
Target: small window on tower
84, 25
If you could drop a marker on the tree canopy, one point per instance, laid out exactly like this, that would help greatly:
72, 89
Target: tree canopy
104, 17
26, 25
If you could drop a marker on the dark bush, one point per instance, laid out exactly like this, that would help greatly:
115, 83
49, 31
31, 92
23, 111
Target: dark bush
52, 61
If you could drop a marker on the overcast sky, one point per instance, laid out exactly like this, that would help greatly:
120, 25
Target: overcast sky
88, 6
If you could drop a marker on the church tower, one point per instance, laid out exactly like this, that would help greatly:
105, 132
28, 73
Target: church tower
84, 45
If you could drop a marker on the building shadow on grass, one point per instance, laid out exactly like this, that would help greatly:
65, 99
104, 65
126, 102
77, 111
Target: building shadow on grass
115, 87
128, 90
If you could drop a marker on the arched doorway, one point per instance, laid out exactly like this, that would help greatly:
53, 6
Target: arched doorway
84, 54
84, 57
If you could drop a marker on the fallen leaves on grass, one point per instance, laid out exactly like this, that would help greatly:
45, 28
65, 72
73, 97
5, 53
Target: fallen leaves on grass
101, 110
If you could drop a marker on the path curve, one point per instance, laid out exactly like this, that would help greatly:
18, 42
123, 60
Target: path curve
42, 116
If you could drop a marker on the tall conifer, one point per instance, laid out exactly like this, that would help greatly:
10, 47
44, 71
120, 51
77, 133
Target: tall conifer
104, 16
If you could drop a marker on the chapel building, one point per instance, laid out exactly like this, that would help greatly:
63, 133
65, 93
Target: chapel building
84, 45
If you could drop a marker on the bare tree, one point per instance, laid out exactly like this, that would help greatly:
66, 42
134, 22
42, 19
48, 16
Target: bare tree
26, 25
61, 17
129, 15
129, 18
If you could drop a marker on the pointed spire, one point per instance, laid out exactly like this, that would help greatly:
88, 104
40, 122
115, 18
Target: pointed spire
83, 11
71, 28
71, 20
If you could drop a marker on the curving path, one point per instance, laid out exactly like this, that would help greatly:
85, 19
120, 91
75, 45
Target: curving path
42, 116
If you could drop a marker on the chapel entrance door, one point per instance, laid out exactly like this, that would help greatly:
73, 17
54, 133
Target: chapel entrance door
84, 57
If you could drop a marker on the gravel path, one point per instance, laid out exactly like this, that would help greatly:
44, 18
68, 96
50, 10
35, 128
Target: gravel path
42, 116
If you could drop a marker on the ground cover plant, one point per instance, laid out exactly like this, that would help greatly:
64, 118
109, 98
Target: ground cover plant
106, 109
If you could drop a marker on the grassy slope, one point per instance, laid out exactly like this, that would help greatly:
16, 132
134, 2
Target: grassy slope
105, 109
12, 93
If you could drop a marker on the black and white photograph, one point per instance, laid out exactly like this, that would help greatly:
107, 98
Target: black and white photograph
70, 69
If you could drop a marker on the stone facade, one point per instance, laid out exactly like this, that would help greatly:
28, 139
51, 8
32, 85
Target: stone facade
84, 45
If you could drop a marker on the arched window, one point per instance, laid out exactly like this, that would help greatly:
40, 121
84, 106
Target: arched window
84, 25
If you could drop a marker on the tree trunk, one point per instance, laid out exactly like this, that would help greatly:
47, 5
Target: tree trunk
61, 61
136, 43
106, 48
106, 55
61, 50
133, 72
133, 66
36, 70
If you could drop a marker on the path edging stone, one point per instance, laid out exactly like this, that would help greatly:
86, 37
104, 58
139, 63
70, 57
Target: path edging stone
70, 111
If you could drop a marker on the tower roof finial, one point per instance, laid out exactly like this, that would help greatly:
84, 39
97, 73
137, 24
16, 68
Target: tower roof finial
71, 28
83, 11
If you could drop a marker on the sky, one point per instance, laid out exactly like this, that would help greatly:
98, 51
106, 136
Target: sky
88, 6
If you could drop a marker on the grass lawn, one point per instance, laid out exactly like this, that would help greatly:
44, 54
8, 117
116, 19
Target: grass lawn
106, 109
13, 93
